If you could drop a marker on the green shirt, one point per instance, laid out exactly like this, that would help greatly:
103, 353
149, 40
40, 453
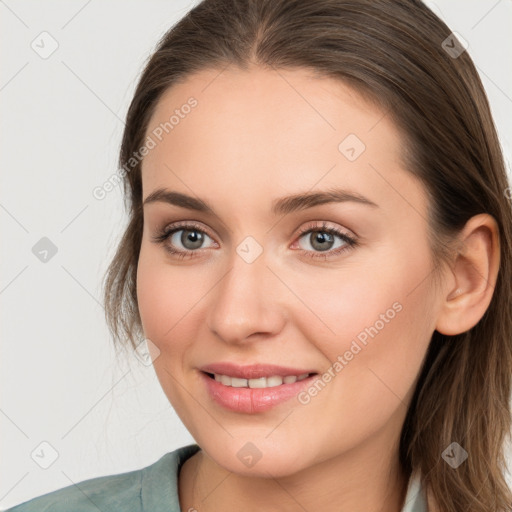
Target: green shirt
150, 489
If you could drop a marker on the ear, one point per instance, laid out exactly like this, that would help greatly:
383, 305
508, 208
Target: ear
475, 271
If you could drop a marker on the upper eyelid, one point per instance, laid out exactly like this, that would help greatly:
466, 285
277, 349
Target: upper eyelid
179, 225
309, 226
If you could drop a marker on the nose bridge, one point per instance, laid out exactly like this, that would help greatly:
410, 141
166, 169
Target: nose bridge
244, 301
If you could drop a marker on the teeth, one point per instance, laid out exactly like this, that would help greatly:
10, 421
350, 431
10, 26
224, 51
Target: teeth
235, 382
262, 382
274, 381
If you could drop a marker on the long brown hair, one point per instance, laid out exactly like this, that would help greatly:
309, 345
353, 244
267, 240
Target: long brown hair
401, 55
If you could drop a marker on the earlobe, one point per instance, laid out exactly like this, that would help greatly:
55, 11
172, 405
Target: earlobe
475, 270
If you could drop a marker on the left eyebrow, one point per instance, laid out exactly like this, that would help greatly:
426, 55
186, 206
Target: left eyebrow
298, 202
280, 206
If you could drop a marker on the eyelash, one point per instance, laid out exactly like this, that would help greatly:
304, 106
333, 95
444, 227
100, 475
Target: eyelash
163, 234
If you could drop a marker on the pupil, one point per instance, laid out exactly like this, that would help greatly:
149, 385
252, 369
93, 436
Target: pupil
191, 237
321, 238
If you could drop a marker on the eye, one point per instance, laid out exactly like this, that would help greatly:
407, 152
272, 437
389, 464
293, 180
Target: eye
192, 237
322, 238
188, 235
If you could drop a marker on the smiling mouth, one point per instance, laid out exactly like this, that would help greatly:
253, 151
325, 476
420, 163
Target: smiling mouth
262, 382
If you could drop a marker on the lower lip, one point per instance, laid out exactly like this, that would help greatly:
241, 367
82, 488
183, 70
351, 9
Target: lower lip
253, 400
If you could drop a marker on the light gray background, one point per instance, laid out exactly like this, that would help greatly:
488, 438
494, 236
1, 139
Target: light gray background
61, 123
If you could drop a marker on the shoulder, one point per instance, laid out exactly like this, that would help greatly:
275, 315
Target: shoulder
151, 488
121, 491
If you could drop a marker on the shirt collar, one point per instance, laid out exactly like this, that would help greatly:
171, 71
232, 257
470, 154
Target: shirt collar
415, 498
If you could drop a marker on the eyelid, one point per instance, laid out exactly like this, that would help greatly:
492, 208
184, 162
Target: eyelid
185, 224
309, 226
163, 234
325, 226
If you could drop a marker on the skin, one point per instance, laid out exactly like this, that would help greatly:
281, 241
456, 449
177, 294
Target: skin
255, 136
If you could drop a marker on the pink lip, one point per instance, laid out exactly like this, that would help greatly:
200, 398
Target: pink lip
253, 400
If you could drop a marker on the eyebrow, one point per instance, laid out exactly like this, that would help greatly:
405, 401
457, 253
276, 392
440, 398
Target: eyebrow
280, 206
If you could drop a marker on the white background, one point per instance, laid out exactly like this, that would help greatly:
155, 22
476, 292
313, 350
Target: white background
61, 123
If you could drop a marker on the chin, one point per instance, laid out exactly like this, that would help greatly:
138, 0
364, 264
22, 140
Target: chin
260, 459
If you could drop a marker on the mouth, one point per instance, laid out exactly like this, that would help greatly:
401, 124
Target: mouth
258, 383
255, 395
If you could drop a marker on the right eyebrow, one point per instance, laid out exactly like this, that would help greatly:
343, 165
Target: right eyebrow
163, 195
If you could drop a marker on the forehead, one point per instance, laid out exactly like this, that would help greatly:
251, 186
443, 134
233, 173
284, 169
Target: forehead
262, 129
263, 102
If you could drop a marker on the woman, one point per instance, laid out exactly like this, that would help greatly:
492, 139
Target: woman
369, 374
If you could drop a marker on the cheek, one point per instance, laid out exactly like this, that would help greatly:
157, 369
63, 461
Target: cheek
152, 300
342, 304
164, 297
374, 317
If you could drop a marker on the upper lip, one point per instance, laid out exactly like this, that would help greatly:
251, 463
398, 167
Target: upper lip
253, 371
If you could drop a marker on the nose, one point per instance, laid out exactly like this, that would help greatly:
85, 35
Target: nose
246, 304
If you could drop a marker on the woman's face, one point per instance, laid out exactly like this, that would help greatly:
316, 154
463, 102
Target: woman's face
252, 289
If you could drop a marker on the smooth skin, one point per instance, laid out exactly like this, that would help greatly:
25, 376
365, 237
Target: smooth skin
256, 136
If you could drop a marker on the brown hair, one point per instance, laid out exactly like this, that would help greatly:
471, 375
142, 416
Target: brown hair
393, 52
